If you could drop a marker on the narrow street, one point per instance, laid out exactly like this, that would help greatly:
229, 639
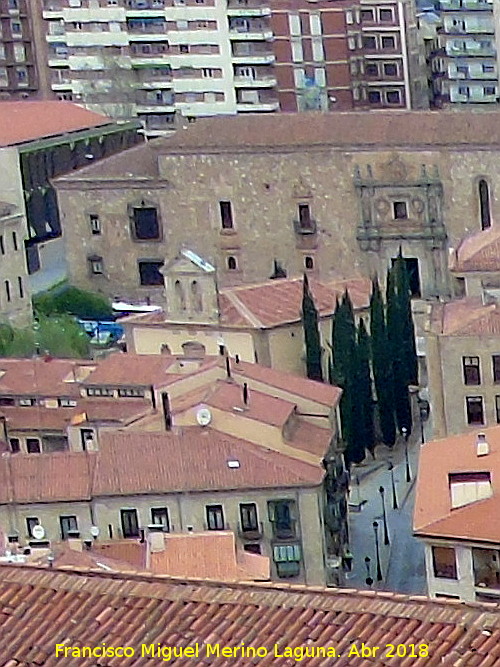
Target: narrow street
402, 560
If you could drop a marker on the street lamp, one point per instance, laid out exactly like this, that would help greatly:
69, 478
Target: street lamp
405, 433
394, 497
368, 580
384, 516
377, 553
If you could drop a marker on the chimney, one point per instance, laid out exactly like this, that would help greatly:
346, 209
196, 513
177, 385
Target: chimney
245, 393
156, 538
167, 415
482, 447
228, 368
74, 541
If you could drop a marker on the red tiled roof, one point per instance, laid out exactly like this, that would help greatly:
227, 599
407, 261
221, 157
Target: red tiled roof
27, 121
128, 462
478, 252
466, 317
433, 514
207, 555
65, 556
126, 551
40, 376
41, 608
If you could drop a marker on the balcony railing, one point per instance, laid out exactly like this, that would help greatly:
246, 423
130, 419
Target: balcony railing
252, 533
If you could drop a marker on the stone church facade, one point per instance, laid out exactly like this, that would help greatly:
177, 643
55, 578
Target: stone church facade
334, 195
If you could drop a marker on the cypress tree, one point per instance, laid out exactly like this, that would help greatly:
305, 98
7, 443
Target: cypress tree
311, 334
395, 332
381, 364
364, 390
408, 330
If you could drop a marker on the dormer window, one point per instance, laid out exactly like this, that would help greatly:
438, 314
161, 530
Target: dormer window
469, 487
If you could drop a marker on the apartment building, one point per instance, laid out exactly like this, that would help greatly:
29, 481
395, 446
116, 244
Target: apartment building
456, 515
463, 60
23, 74
211, 444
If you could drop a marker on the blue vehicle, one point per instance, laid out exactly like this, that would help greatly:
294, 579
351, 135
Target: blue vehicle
102, 332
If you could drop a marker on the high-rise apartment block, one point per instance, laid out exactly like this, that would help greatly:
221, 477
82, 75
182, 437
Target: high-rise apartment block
463, 58
158, 59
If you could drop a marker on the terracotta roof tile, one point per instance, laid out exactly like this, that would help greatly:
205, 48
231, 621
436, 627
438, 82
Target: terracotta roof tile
27, 121
457, 454
478, 252
43, 376
466, 317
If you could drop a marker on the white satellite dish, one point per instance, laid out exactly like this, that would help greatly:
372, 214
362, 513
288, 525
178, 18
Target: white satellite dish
38, 532
94, 531
203, 416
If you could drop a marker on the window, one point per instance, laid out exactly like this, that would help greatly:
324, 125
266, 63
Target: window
69, 524
472, 373
15, 445
149, 273
475, 411
146, 225
385, 15
248, 517
226, 214
369, 42
7, 290
130, 523
196, 297
183, 48
281, 515
488, 68
309, 262
86, 436
2, 246
463, 69
77, 25
66, 402
400, 210
497, 408
287, 559
393, 97
31, 522
16, 28
367, 15
20, 287
159, 516
305, 221
231, 263
374, 97
6, 400
179, 295
33, 445
96, 265
371, 69
484, 204
27, 402
388, 42
95, 224
99, 391
496, 368
131, 393
207, 72
390, 69
215, 517
445, 564
252, 548
489, 90
14, 241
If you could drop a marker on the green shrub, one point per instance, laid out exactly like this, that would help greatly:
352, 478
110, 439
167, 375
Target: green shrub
73, 301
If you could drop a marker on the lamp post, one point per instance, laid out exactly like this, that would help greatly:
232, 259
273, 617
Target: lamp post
405, 434
384, 516
394, 496
377, 553
368, 580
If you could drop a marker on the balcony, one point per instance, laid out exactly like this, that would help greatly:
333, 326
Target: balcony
245, 8
250, 82
253, 533
305, 228
253, 34
253, 58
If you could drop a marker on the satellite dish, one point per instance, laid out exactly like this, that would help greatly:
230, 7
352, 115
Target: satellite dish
38, 532
94, 531
203, 416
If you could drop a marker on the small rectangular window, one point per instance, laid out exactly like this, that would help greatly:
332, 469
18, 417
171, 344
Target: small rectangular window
27, 402
15, 445
146, 224
374, 97
86, 436
444, 562
390, 69
69, 524
388, 42
215, 517
2, 246
159, 516
226, 214
14, 241
96, 266
393, 97
66, 402
371, 69
400, 210
31, 522
248, 517
33, 445
385, 15
183, 48
367, 15
20, 287
150, 274
475, 410
95, 224
130, 523
369, 42
496, 368
472, 374
305, 220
